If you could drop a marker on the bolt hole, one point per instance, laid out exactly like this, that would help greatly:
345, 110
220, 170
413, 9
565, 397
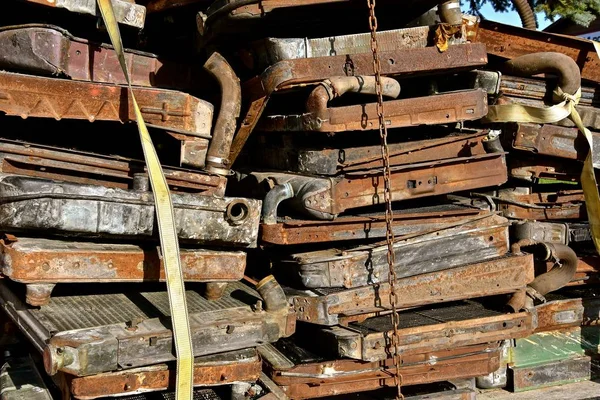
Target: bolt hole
237, 212
491, 238
78, 52
392, 61
504, 324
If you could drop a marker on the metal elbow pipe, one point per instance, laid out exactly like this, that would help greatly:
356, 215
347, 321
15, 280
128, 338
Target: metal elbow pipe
450, 13
272, 294
559, 276
567, 70
556, 278
526, 13
272, 200
217, 158
337, 86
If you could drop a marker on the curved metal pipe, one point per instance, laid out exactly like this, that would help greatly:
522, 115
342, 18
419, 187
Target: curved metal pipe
526, 13
567, 70
272, 294
337, 86
559, 276
217, 158
450, 13
491, 143
272, 200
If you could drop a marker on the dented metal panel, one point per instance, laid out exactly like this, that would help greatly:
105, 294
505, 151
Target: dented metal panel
510, 42
469, 241
30, 260
50, 50
325, 198
407, 222
310, 376
126, 12
522, 203
31, 96
552, 140
535, 169
331, 161
37, 204
218, 369
488, 278
444, 108
559, 314
29, 159
130, 329
272, 50
549, 232
428, 329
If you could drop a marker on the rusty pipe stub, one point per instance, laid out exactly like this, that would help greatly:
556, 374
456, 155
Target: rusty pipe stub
273, 295
337, 86
217, 160
449, 12
55, 358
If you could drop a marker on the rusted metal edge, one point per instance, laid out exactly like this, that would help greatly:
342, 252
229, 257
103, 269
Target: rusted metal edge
553, 140
331, 161
220, 369
290, 232
286, 73
558, 314
524, 204
32, 96
445, 108
350, 376
325, 198
372, 347
29, 159
29, 260
510, 42
469, 241
497, 276
50, 50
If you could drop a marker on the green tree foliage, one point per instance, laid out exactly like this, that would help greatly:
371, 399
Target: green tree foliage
582, 12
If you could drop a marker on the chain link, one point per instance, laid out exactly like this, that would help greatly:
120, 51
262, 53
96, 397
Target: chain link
387, 195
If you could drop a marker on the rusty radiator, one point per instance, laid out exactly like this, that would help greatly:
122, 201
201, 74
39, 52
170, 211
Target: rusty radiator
37, 204
304, 375
497, 276
88, 334
469, 241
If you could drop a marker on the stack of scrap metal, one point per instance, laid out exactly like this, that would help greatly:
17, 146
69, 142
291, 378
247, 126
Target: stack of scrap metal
266, 119
79, 247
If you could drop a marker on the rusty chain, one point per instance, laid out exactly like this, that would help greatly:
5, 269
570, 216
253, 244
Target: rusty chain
387, 195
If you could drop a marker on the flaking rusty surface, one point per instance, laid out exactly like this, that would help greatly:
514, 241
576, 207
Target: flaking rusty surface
50, 50
30, 96
51, 261
406, 223
497, 276
469, 241
336, 377
75, 209
221, 369
28, 159
442, 108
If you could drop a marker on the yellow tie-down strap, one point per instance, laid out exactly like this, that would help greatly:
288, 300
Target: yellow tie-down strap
166, 227
548, 115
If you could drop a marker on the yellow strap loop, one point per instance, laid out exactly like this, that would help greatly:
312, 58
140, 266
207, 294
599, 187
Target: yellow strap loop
567, 108
166, 227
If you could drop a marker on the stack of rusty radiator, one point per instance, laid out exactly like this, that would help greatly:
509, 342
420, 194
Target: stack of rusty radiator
264, 115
